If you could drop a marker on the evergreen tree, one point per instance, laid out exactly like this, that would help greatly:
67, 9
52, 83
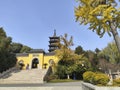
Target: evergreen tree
16, 47
19, 48
7, 59
25, 49
79, 50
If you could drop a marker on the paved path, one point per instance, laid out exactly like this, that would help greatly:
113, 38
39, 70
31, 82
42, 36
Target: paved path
45, 86
64, 84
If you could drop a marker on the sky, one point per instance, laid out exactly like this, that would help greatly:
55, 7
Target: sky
32, 22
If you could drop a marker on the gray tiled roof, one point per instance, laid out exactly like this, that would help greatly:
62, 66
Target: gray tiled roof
22, 54
50, 53
36, 51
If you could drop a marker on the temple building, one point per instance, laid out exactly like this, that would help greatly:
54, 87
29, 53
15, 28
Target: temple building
54, 40
38, 58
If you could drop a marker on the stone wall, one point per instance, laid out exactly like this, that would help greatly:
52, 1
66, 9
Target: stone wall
88, 86
7, 72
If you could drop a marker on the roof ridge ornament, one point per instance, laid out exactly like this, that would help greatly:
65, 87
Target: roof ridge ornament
54, 33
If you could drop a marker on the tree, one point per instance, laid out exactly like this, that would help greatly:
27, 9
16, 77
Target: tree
79, 50
25, 49
73, 68
92, 57
70, 63
97, 50
80, 66
65, 53
102, 16
106, 66
7, 59
16, 47
111, 53
109, 58
19, 48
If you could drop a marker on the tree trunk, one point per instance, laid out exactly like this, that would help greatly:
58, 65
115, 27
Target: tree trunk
116, 36
68, 76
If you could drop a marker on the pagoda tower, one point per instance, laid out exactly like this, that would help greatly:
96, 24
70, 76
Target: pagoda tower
53, 42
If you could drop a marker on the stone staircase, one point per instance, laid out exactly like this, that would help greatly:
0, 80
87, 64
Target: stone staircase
24, 76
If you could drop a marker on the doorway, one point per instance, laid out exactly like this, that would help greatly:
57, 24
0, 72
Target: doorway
35, 63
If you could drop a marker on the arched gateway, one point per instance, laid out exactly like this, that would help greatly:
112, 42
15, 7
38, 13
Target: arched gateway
35, 63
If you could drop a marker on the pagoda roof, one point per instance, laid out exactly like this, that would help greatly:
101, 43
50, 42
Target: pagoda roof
54, 37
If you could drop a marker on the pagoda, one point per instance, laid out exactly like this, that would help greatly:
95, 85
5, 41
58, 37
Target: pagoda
53, 42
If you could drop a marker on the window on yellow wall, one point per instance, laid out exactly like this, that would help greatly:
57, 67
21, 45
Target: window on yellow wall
51, 62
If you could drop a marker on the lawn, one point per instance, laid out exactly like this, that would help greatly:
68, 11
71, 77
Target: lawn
62, 80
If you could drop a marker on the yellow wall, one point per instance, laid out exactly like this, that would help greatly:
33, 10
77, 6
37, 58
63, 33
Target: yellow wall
25, 59
43, 59
47, 58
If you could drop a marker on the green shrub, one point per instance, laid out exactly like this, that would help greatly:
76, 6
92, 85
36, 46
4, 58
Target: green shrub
95, 78
88, 76
52, 77
116, 82
99, 78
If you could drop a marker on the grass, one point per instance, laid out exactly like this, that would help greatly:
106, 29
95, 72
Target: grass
62, 80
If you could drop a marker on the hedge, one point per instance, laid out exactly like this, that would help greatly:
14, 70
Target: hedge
96, 78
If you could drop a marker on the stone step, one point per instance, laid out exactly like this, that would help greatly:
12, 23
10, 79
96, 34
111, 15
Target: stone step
25, 76
21, 82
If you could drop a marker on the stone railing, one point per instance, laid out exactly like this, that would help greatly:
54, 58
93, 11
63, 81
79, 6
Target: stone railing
8, 71
88, 86
48, 73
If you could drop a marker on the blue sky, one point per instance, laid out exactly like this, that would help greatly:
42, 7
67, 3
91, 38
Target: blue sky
31, 22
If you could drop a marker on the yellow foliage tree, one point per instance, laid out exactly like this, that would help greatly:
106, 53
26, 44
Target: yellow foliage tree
102, 16
65, 53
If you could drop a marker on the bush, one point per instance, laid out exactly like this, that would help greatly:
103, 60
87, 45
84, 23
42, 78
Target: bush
52, 77
116, 82
95, 78
88, 76
101, 79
